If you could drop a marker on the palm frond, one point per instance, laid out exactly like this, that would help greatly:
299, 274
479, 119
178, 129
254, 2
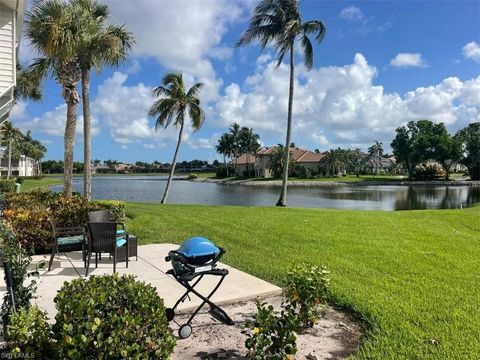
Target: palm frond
307, 51
315, 26
194, 90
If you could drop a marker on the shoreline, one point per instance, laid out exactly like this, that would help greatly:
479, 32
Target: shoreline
300, 183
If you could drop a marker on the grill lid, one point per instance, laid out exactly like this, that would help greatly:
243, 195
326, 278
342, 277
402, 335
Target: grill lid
198, 246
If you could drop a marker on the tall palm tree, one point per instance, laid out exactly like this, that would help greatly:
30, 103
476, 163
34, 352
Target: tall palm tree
224, 147
376, 149
53, 31
234, 132
173, 106
280, 22
249, 142
11, 137
99, 44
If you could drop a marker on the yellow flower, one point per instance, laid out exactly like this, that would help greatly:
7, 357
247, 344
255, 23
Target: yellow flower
256, 330
290, 357
295, 296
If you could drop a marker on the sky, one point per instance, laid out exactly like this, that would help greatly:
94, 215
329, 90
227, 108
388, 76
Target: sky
381, 64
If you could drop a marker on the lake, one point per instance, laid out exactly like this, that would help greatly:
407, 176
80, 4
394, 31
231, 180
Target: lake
390, 198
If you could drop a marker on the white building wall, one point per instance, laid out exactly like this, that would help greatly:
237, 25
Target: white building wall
7, 48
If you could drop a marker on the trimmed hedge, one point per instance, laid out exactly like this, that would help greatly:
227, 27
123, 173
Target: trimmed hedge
7, 186
111, 317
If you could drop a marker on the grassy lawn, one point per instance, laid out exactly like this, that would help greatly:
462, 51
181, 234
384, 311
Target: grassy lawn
30, 184
348, 178
412, 276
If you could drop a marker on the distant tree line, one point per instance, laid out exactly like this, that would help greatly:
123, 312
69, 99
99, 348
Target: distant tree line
17, 144
56, 166
422, 141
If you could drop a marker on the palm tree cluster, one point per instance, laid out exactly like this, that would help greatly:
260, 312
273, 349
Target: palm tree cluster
236, 142
280, 23
70, 38
376, 149
276, 162
18, 144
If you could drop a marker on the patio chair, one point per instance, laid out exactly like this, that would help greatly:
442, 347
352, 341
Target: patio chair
103, 239
104, 216
68, 239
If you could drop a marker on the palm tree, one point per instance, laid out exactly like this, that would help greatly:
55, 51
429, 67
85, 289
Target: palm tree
224, 147
376, 149
100, 44
173, 105
249, 143
234, 138
11, 137
53, 31
280, 22
276, 162
334, 161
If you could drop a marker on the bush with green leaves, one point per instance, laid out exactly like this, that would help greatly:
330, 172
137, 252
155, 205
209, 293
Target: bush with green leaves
28, 332
307, 291
116, 208
271, 334
111, 317
7, 186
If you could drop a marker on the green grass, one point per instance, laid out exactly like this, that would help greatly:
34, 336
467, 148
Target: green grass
30, 184
346, 179
413, 277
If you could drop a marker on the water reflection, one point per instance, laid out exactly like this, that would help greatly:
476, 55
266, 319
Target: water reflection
150, 189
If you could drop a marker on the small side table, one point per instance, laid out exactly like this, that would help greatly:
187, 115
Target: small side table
132, 249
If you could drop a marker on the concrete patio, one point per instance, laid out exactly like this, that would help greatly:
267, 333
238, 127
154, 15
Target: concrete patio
150, 267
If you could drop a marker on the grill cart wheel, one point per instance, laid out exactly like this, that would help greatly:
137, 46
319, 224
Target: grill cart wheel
170, 313
185, 331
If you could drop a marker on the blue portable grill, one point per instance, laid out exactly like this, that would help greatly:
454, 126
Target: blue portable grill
195, 258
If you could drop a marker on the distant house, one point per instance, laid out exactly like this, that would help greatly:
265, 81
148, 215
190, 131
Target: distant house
103, 169
123, 168
259, 161
23, 166
379, 164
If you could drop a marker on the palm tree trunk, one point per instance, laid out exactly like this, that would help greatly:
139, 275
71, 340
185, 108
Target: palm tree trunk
172, 170
225, 162
87, 171
282, 201
69, 142
9, 169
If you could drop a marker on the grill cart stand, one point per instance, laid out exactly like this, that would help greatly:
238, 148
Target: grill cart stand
188, 270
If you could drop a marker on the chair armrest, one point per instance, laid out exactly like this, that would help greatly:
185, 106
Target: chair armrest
121, 224
70, 231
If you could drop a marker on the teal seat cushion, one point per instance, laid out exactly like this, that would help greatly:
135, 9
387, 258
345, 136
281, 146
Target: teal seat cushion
71, 240
120, 232
121, 242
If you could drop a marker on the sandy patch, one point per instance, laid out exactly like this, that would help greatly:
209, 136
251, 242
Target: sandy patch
334, 337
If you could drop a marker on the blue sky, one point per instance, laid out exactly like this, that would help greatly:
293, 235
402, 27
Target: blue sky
382, 63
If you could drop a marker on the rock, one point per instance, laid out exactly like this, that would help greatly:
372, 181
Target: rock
311, 356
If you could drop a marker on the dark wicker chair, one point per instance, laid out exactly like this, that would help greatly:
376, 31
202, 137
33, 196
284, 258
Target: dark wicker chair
104, 216
103, 239
68, 239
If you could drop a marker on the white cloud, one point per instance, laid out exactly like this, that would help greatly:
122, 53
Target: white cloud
472, 51
351, 13
341, 105
182, 35
53, 123
408, 60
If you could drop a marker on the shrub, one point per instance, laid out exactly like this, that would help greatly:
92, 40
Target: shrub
302, 172
114, 207
19, 260
111, 317
192, 176
7, 186
28, 332
271, 334
31, 199
221, 172
306, 290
